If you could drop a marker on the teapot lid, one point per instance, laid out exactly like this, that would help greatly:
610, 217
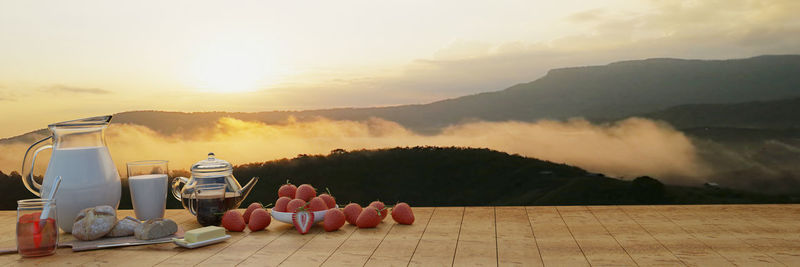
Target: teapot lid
212, 164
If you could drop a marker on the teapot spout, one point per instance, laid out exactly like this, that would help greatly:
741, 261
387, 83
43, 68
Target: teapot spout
247, 188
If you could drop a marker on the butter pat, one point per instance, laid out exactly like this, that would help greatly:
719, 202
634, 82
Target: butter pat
203, 234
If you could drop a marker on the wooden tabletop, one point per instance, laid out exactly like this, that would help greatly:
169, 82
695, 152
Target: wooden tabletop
718, 235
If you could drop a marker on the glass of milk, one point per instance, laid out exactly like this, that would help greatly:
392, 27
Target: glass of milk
147, 180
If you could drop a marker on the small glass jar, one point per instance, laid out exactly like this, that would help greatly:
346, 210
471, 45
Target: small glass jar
36, 236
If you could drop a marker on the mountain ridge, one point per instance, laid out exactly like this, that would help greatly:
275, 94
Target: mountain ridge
601, 92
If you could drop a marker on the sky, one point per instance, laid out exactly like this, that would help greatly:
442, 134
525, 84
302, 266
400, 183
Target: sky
61, 60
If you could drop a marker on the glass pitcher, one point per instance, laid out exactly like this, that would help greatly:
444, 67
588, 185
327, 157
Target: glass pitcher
81, 157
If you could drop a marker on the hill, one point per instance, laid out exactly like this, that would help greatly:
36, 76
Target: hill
435, 176
606, 92
776, 114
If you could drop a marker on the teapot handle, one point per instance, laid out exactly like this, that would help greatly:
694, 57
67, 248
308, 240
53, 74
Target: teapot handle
177, 186
27, 177
192, 208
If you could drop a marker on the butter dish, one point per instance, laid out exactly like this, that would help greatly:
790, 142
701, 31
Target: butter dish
182, 242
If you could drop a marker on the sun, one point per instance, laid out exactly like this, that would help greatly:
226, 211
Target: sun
228, 72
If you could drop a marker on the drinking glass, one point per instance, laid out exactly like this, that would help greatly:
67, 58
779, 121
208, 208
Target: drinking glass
36, 235
208, 202
148, 181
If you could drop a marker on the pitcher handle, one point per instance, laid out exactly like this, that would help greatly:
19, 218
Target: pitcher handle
27, 177
177, 185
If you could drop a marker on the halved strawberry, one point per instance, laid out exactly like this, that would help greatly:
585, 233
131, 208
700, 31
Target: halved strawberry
303, 220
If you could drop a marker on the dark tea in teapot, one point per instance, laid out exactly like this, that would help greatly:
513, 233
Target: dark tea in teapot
209, 202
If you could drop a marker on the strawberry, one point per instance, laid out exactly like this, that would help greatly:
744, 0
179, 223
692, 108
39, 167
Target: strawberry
303, 220
369, 218
351, 212
402, 214
381, 207
232, 221
317, 204
280, 205
329, 200
295, 204
250, 209
259, 220
334, 219
287, 190
306, 192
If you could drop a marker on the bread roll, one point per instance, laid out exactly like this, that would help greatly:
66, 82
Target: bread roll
94, 223
124, 227
155, 228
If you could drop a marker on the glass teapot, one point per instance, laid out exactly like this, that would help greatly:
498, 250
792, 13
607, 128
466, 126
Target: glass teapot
209, 171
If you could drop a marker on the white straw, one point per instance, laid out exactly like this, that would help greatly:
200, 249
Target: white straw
50, 196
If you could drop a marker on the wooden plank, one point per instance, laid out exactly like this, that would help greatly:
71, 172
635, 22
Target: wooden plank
356, 250
643, 248
316, 251
281, 248
762, 238
251, 242
599, 247
685, 247
696, 223
556, 244
400, 243
477, 241
191, 257
516, 244
698, 235
438, 243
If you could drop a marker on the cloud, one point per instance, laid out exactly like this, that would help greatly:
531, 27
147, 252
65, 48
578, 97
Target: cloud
714, 29
627, 148
75, 90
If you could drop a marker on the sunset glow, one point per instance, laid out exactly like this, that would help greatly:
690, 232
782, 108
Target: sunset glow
278, 55
227, 72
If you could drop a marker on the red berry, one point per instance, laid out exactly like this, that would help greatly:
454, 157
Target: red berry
280, 205
381, 207
317, 204
306, 192
402, 214
334, 219
369, 218
287, 190
351, 212
329, 200
233, 221
259, 220
250, 209
295, 204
